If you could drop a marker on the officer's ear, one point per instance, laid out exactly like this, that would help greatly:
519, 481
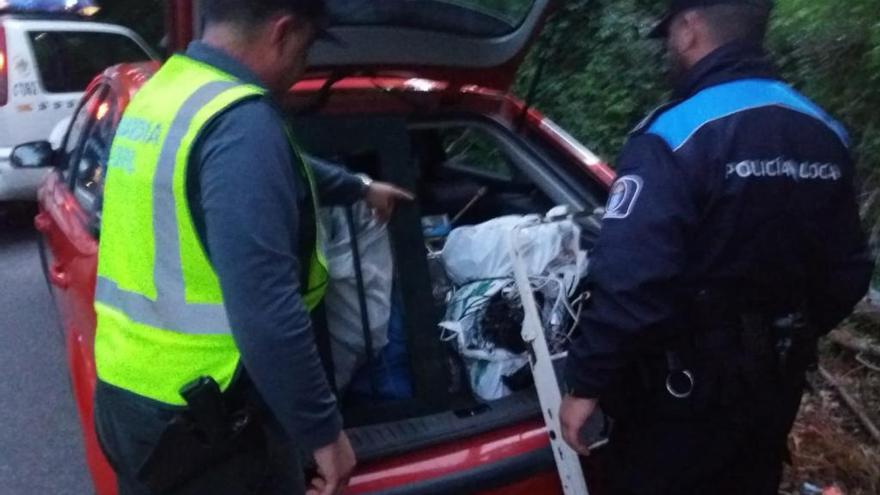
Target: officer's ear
291, 33
684, 33
280, 27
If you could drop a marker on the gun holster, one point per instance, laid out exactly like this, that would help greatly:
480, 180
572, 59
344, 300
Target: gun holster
723, 355
206, 436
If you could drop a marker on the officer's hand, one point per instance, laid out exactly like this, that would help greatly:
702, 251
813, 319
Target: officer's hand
335, 464
383, 197
573, 414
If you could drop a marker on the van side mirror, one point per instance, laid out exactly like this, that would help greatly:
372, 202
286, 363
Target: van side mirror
38, 154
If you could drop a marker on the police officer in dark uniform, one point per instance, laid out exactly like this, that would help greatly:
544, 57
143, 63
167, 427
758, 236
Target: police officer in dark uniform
731, 243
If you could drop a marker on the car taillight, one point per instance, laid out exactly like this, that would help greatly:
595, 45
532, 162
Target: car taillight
4, 69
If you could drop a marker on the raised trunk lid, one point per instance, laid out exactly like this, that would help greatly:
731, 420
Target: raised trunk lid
464, 42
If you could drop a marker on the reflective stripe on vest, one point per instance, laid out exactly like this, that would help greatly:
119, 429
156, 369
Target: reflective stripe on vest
161, 318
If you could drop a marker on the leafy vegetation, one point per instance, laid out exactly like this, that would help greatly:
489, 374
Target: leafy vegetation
601, 75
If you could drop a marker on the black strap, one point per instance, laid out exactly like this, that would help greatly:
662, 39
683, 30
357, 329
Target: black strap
362, 295
307, 232
322, 341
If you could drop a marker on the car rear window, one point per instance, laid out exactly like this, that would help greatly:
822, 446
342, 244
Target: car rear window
69, 60
472, 17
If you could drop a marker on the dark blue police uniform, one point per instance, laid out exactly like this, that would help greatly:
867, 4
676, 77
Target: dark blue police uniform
734, 213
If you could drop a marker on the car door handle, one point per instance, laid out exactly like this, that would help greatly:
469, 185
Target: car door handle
58, 275
42, 222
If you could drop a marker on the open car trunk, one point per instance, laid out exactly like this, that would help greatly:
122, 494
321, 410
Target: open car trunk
460, 43
470, 170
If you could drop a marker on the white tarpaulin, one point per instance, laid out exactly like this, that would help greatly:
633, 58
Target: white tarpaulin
342, 302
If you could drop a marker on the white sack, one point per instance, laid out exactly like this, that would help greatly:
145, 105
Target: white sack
342, 303
482, 251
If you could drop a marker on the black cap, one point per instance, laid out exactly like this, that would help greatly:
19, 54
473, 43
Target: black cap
318, 12
315, 11
661, 30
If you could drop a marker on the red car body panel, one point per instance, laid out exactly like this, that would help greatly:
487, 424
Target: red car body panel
72, 267
450, 459
72, 264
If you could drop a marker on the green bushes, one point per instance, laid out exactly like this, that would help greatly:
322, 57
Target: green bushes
601, 74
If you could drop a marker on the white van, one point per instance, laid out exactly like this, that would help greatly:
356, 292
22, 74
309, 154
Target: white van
46, 62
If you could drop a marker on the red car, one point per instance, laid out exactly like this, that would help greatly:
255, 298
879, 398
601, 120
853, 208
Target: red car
417, 95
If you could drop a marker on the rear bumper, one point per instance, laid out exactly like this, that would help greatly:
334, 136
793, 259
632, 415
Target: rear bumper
17, 184
513, 460
517, 475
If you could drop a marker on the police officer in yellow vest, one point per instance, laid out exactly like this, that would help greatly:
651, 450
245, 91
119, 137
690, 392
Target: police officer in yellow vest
209, 378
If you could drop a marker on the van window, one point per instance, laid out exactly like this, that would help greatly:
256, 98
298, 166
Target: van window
69, 60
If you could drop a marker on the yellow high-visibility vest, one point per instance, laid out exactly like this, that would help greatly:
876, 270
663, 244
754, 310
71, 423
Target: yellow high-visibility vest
161, 318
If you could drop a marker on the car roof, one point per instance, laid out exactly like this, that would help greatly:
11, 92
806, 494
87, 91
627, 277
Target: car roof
62, 22
126, 79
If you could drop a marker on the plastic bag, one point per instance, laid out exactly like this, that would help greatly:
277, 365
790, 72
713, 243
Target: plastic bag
482, 251
486, 363
478, 262
342, 303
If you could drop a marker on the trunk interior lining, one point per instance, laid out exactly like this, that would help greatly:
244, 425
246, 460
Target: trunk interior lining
383, 147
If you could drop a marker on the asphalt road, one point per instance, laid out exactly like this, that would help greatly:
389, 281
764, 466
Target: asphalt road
41, 450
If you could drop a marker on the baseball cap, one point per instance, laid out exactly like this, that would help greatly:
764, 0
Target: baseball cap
661, 30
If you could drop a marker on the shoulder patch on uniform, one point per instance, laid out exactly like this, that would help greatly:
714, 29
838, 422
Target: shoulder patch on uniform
654, 115
624, 194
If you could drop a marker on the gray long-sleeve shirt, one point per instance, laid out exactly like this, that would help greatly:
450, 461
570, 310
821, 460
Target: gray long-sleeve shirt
245, 191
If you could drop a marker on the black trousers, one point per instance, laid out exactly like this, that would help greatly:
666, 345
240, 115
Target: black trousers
129, 427
739, 449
